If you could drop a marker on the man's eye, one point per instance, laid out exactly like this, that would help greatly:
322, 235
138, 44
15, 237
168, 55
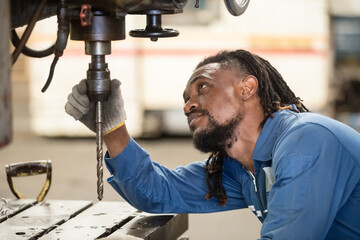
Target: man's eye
201, 86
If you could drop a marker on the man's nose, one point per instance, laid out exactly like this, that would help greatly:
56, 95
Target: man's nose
190, 105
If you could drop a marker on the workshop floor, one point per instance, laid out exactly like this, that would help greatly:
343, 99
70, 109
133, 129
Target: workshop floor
74, 172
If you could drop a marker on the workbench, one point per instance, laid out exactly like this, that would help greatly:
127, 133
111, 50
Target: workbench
68, 219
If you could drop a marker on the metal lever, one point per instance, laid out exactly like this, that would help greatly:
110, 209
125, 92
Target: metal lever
29, 169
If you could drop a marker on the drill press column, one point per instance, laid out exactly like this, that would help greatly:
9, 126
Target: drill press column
98, 84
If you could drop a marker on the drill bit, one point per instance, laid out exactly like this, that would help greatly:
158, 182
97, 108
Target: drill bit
99, 150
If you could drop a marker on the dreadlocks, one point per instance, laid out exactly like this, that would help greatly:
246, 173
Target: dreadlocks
274, 95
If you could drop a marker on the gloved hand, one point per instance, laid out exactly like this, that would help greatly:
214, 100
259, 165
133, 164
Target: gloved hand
79, 107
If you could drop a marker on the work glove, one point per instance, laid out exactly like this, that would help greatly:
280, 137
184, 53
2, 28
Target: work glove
81, 108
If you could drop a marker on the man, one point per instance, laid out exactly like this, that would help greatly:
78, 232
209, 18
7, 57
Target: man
299, 172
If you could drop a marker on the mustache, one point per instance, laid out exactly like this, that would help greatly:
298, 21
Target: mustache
204, 112
194, 113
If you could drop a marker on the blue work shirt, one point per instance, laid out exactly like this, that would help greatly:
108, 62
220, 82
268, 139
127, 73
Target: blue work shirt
306, 183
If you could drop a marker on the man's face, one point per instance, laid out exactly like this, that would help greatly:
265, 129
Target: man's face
212, 106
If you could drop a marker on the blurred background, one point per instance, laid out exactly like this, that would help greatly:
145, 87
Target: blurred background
315, 45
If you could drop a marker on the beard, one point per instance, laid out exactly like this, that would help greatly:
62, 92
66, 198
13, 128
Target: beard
216, 137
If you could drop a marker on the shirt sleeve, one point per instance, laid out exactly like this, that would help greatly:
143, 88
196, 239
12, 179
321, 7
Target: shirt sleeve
314, 176
154, 188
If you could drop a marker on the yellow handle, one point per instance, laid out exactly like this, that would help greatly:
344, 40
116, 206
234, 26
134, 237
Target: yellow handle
29, 169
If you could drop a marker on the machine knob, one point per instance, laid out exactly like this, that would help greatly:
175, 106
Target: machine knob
153, 29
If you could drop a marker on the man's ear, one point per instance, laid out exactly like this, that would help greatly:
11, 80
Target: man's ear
249, 87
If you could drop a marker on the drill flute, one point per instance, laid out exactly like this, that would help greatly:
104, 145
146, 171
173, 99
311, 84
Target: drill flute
99, 150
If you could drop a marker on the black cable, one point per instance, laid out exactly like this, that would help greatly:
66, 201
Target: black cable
28, 31
51, 73
61, 40
15, 40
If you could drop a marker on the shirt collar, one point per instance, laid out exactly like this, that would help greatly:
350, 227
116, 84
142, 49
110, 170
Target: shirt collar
268, 136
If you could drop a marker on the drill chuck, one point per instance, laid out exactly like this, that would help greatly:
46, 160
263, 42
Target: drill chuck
98, 74
98, 79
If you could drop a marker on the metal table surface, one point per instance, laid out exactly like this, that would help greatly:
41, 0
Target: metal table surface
68, 219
